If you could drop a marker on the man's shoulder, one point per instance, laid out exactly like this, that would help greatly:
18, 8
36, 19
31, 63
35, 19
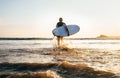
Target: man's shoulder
60, 22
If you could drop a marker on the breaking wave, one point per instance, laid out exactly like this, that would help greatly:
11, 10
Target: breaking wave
51, 70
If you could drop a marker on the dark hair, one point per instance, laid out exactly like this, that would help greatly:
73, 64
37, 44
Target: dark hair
60, 19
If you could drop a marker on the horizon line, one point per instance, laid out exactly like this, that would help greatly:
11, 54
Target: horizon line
38, 38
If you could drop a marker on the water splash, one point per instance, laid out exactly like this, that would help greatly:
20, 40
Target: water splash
65, 45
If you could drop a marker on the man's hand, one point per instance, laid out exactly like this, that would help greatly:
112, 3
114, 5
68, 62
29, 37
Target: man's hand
68, 33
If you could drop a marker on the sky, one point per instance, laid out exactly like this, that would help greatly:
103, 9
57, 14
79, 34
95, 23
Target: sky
37, 18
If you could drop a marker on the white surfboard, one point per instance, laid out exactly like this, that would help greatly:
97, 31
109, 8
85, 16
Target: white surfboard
61, 31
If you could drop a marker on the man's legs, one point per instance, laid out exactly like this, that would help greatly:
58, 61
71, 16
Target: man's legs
60, 40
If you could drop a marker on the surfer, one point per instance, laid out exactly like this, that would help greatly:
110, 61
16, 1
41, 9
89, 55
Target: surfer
59, 24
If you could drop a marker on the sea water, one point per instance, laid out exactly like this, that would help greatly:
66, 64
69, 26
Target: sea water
99, 54
36, 44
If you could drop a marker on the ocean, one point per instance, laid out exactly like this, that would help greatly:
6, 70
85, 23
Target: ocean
36, 44
89, 58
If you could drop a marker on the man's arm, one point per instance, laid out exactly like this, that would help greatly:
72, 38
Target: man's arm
67, 29
56, 25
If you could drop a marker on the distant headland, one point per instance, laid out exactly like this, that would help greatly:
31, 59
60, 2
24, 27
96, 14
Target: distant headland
107, 37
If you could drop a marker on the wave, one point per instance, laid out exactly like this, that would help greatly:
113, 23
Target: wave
51, 70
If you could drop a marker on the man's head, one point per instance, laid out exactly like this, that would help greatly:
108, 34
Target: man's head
60, 19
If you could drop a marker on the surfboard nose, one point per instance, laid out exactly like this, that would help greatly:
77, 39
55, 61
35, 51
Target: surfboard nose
53, 32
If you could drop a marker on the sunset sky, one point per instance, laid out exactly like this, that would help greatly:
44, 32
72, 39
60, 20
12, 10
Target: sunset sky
37, 18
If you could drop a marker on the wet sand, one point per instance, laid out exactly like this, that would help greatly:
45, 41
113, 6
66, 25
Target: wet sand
59, 63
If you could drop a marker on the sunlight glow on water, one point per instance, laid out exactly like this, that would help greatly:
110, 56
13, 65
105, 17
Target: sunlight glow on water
100, 54
35, 44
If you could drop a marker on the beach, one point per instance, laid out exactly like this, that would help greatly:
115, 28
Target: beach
88, 32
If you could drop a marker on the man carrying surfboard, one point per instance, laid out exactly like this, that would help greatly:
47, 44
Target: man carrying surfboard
63, 30
59, 24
